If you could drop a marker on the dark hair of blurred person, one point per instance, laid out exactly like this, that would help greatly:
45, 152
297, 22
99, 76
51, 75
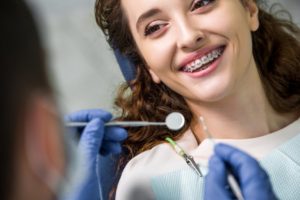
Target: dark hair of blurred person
30, 144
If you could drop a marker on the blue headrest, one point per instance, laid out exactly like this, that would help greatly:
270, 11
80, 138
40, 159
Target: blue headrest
107, 165
126, 66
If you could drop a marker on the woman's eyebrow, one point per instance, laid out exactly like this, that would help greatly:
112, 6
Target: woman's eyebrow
146, 15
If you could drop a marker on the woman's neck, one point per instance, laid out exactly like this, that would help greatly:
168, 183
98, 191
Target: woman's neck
244, 114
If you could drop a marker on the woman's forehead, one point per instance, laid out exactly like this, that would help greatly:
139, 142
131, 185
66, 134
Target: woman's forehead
134, 7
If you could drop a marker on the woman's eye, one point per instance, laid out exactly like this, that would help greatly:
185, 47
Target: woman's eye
201, 3
152, 28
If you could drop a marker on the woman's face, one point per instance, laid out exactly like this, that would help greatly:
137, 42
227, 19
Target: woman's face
201, 49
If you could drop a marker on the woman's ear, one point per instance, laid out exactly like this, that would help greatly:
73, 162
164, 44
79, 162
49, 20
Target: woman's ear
154, 77
253, 11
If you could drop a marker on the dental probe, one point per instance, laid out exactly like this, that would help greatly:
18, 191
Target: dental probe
174, 121
231, 180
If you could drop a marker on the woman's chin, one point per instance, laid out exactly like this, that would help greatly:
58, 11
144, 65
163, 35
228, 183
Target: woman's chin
214, 95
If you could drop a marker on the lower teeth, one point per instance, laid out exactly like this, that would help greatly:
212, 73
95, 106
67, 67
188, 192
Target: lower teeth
203, 67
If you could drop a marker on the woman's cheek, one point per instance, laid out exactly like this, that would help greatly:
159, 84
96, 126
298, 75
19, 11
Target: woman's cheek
159, 55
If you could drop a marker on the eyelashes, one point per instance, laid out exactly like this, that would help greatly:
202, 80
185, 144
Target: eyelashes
153, 28
201, 3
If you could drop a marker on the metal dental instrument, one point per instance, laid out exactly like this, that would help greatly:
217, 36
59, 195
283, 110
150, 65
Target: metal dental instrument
174, 121
231, 180
188, 158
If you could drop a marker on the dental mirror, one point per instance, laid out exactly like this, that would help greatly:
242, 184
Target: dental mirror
174, 121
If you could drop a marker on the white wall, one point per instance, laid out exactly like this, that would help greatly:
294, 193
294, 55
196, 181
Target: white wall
84, 69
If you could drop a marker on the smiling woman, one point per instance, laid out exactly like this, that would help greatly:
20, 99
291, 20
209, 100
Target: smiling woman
230, 62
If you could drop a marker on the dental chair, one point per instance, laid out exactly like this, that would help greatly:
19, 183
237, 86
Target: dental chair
107, 165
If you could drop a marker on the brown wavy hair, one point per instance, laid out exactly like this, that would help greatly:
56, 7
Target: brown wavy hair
276, 49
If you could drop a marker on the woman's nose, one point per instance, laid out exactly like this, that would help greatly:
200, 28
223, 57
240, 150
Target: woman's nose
189, 37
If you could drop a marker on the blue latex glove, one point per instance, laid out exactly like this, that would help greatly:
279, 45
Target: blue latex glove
253, 180
95, 138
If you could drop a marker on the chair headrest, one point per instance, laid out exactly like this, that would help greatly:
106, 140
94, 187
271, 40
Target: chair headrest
126, 66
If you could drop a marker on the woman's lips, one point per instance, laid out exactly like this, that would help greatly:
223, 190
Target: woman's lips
204, 64
203, 61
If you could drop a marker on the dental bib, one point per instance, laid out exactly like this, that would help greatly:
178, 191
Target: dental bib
283, 167
282, 164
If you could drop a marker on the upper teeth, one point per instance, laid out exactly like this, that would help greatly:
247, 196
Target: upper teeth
202, 61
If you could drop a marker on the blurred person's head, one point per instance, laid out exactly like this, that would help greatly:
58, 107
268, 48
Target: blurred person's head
32, 149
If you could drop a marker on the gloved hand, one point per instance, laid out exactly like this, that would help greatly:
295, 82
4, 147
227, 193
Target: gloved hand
95, 138
253, 180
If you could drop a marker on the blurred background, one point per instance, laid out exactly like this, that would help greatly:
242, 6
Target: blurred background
85, 72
